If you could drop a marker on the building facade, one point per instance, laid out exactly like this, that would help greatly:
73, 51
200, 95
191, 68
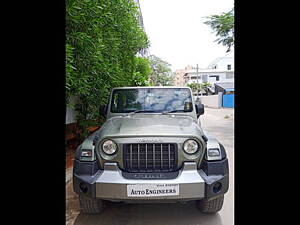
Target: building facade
179, 75
145, 51
218, 71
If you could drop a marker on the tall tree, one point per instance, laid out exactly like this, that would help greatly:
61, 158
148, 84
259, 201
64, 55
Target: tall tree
161, 72
223, 25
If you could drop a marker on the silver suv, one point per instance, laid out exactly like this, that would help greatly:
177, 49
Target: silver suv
151, 149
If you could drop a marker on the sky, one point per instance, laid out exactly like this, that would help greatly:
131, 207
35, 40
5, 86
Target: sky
177, 33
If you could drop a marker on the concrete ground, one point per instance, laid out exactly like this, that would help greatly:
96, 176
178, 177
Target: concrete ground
217, 122
220, 123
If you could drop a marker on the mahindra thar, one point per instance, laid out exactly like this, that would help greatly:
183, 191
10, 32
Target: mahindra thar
151, 149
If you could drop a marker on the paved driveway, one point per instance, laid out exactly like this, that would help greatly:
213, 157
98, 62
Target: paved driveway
218, 122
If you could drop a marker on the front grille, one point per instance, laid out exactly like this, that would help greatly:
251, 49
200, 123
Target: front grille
150, 157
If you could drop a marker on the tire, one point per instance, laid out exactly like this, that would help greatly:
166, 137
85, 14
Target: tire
211, 206
90, 205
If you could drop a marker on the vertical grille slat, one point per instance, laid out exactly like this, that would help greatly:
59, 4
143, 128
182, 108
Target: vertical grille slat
153, 151
161, 156
151, 157
146, 156
169, 157
138, 156
130, 156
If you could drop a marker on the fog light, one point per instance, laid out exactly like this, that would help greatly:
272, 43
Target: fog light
83, 187
217, 187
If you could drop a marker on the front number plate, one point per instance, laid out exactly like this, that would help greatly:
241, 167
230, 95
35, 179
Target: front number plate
152, 190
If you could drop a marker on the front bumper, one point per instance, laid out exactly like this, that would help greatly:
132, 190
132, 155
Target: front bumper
110, 183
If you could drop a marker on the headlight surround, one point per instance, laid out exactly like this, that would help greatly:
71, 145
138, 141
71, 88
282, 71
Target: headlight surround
190, 146
109, 147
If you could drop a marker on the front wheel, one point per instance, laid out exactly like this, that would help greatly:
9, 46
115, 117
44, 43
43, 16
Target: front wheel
90, 205
211, 206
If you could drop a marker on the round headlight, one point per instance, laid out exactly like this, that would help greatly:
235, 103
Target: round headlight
109, 147
190, 146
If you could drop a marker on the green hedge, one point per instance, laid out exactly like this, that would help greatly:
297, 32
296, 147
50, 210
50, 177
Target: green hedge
102, 39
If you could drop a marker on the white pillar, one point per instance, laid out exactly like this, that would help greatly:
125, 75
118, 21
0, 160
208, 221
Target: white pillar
220, 99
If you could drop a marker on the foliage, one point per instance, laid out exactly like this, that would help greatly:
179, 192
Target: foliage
206, 85
102, 39
69, 69
223, 25
161, 72
199, 86
195, 87
142, 72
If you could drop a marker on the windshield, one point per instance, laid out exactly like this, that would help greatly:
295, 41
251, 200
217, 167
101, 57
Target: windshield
151, 100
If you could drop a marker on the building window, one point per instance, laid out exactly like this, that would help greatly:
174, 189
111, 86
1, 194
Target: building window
216, 76
229, 67
229, 75
195, 77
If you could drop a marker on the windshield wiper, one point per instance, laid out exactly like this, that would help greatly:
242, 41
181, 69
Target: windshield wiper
172, 111
141, 111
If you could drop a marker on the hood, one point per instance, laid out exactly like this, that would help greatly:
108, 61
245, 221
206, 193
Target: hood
150, 125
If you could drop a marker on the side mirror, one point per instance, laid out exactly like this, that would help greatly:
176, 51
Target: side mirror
199, 109
103, 110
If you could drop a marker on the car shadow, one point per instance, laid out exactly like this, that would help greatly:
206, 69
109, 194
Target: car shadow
150, 214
